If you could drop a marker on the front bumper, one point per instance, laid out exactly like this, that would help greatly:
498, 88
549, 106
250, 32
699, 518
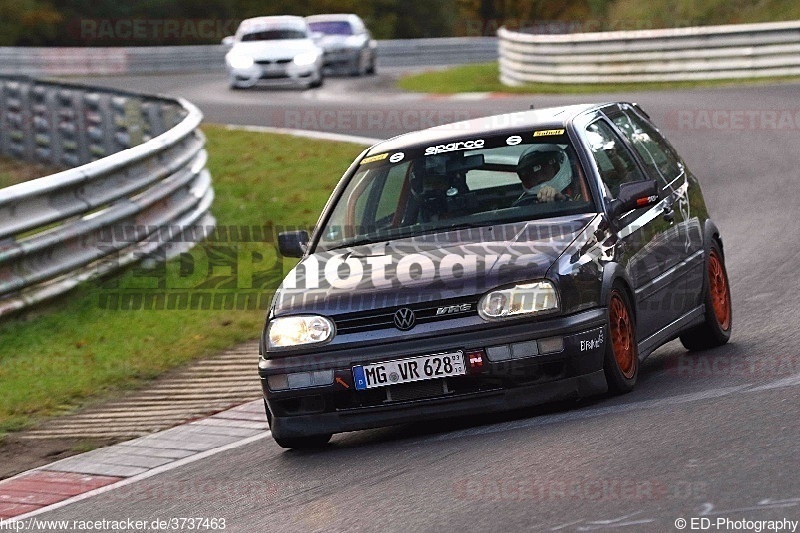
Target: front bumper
572, 373
273, 72
341, 57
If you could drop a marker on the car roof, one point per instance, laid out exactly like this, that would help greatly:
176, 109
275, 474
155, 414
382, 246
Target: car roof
331, 16
278, 20
536, 119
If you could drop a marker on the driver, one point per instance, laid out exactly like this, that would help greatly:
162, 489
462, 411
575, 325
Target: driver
545, 173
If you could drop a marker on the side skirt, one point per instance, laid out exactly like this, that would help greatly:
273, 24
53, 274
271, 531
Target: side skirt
671, 331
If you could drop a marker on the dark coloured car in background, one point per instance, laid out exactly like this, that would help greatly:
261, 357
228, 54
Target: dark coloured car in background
443, 279
348, 44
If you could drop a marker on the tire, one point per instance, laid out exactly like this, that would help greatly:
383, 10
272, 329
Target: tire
621, 362
716, 329
358, 69
371, 70
317, 82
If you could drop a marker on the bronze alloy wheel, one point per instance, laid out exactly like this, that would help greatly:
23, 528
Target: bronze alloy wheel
622, 336
720, 293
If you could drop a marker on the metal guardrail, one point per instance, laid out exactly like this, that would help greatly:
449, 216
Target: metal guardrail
682, 54
138, 186
444, 51
210, 58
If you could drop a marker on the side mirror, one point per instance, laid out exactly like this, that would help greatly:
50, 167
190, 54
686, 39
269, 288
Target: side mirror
293, 243
634, 195
317, 35
228, 41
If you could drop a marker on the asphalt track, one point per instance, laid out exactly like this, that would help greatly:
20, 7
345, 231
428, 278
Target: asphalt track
713, 435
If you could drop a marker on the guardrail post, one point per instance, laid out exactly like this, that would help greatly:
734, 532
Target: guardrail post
98, 125
4, 125
20, 140
70, 129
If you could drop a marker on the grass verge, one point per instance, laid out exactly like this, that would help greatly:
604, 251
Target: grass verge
13, 171
484, 77
73, 351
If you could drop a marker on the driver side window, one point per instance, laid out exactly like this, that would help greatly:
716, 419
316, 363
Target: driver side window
614, 162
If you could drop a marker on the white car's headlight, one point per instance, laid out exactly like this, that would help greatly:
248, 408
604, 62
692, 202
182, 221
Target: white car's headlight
354, 41
523, 299
240, 61
289, 331
308, 58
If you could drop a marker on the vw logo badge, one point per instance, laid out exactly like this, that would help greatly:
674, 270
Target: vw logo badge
404, 319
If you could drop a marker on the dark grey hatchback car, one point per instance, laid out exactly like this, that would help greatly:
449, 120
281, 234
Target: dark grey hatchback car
489, 265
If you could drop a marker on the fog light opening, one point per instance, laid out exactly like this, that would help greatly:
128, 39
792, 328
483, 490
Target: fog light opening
278, 382
551, 345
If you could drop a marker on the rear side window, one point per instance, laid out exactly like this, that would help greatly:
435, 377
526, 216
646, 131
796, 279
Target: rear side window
659, 158
614, 161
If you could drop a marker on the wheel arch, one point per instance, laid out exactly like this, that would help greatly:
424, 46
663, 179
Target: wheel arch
711, 234
615, 274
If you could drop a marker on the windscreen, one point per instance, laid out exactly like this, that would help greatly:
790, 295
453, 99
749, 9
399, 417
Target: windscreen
278, 34
470, 182
332, 27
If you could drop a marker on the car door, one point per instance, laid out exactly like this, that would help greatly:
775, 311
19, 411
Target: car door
642, 242
683, 241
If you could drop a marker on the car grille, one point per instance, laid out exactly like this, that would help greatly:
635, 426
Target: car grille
384, 318
416, 391
273, 61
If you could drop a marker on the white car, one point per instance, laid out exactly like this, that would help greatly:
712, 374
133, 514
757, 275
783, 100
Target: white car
273, 49
347, 42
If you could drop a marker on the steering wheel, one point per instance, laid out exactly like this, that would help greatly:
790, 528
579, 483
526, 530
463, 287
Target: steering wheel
526, 199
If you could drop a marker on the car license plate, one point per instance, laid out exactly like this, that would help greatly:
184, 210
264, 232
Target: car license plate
435, 366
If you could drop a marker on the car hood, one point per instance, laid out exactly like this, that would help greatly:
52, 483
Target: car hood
265, 50
337, 42
443, 266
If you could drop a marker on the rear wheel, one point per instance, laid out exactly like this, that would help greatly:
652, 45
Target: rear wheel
716, 329
621, 363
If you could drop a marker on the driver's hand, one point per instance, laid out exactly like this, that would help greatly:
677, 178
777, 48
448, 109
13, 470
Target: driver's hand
546, 194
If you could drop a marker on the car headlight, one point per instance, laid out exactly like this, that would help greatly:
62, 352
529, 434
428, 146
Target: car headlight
308, 58
240, 61
523, 299
353, 41
289, 331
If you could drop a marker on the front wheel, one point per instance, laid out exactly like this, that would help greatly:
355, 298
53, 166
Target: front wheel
317, 82
716, 329
621, 364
